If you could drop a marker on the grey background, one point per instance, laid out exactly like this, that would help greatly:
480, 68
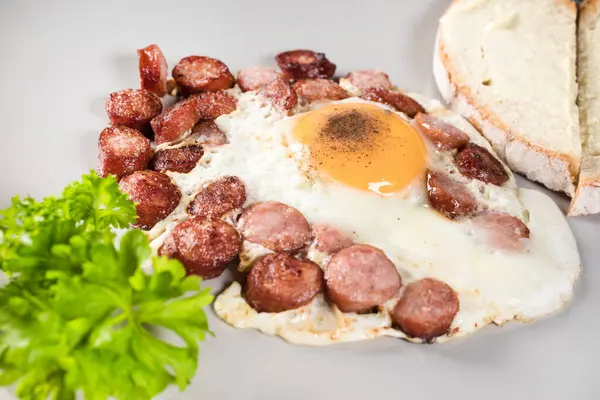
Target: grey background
58, 61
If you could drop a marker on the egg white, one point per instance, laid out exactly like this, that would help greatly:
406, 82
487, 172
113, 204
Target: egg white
493, 286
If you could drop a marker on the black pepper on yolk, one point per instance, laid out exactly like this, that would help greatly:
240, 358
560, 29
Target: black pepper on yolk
363, 146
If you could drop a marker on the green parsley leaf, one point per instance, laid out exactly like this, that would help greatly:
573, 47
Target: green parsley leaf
81, 314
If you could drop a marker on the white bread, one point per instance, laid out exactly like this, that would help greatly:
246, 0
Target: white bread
509, 66
587, 196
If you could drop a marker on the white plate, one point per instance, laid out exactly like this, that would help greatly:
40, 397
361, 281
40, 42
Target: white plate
59, 60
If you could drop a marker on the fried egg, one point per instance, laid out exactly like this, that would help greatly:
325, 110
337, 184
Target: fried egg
360, 166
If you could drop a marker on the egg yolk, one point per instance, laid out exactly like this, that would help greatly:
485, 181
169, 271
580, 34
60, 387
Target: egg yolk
363, 146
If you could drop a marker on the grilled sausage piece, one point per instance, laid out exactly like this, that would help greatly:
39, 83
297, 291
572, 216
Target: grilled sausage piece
212, 105
279, 282
426, 309
500, 230
204, 246
219, 197
449, 197
179, 159
361, 277
369, 79
208, 134
122, 150
319, 89
195, 74
328, 239
305, 64
280, 95
153, 70
476, 162
398, 101
275, 226
133, 108
254, 78
443, 135
156, 196
175, 121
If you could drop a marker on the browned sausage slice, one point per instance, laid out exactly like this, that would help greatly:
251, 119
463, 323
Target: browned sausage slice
275, 226
195, 74
500, 230
122, 150
303, 64
319, 89
449, 197
209, 135
476, 162
426, 309
153, 70
219, 197
172, 124
361, 277
328, 239
254, 78
180, 159
205, 247
133, 108
398, 101
279, 282
440, 133
280, 95
156, 196
372, 78
212, 105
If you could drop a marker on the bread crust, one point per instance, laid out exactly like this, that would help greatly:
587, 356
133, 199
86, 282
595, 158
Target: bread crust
586, 200
589, 3
587, 196
556, 170
571, 4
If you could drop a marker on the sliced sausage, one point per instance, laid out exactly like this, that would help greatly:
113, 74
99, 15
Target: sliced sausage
180, 159
175, 121
205, 247
219, 197
195, 74
371, 78
449, 197
156, 196
280, 95
209, 135
275, 226
328, 239
361, 277
212, 105
254, 78
153, 70
398, 101
500, 230
303, 64
279, 282
122, 150
426, 309
476, 162
133, 108
319, 89
440, 133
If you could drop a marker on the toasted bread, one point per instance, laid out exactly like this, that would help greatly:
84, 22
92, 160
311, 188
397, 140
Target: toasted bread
509, 66
587, 195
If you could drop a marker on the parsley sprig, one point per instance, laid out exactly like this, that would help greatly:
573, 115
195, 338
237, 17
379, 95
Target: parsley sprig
80, 313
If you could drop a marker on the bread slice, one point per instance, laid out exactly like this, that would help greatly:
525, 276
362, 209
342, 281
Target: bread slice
509, 66
587, 196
